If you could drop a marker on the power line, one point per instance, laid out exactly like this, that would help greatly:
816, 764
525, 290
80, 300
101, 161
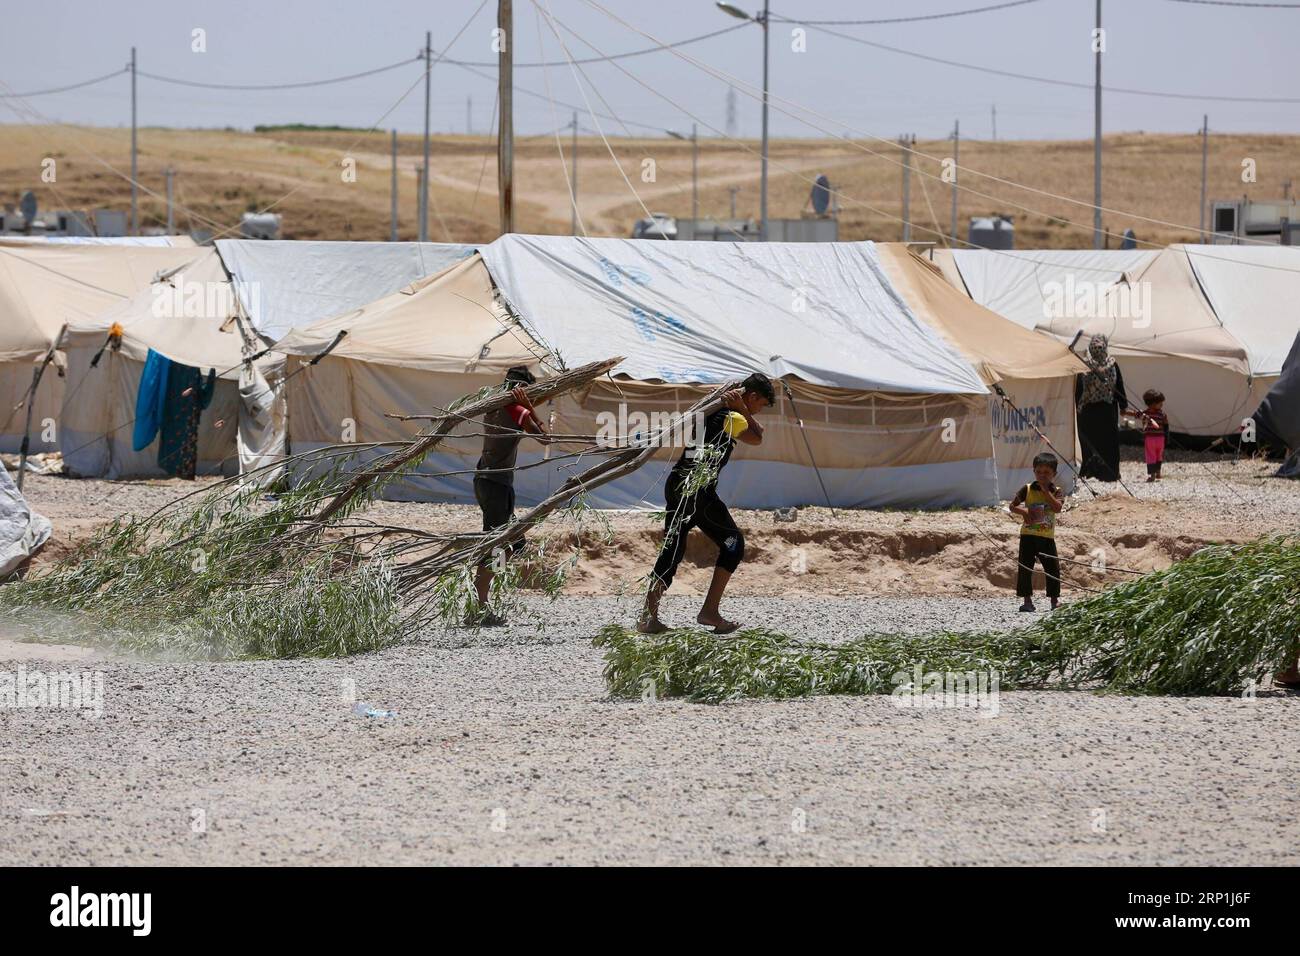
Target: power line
382, 69
750, 91
280, 86
916, 19
552, 21
577, 71
73, 86
617, 56
862, 203
1050, 80
569, 182
1232, 3
572, 106
430, 63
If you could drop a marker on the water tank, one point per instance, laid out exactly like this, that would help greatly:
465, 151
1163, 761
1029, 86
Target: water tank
992, 232
259, 225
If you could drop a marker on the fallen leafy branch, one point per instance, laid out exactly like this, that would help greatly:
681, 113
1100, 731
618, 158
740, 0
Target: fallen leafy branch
1217, 623
227, 572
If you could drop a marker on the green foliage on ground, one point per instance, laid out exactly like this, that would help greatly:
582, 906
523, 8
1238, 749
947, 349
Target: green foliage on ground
1212, 624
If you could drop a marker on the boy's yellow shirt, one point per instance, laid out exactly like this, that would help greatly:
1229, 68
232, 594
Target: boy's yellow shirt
735, 425
1041, 520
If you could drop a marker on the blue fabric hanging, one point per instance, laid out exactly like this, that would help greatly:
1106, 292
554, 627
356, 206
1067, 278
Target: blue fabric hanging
150, 399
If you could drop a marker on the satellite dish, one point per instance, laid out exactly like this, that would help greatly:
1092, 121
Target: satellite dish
821, 195
27, 205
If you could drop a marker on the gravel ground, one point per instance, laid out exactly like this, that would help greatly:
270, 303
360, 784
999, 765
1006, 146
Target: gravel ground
505, 750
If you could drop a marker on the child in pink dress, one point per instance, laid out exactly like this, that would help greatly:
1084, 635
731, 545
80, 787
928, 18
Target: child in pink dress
1157, 427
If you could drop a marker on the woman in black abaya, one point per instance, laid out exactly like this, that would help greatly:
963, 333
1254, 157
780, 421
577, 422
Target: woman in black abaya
1099, 396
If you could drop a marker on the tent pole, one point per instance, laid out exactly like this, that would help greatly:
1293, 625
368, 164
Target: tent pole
31, 403
807, 444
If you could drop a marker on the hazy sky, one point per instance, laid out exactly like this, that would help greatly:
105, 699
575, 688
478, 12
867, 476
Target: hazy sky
1157, 45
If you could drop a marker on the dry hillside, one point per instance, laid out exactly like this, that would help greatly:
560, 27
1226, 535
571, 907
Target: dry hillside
221, 174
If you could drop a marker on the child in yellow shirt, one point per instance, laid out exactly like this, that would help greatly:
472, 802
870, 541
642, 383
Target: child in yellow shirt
1038, 503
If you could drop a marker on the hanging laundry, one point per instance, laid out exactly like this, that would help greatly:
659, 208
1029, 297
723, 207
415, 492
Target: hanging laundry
188, 393
149, 400
170, 402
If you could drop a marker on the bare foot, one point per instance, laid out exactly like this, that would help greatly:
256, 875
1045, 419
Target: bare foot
651, 625
719, 624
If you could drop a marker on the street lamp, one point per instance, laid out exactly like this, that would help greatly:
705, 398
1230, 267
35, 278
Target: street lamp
762, 19
694, 139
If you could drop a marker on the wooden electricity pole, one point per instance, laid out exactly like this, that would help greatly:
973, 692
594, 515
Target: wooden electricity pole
506, 130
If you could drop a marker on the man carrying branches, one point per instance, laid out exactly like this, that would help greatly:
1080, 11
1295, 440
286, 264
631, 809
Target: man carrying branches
494, 482
691, 495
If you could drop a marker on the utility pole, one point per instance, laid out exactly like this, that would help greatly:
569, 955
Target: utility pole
424, 179
1205, 157
733, 190
956, 165
574, 176
171, 215
506, 129
1097, 231
907, 188
392, 235
135, 179
419, 188
762, 225
469, 116
995, 122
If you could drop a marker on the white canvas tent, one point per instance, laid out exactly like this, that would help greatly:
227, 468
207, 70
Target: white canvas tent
1255, 292
284, 284
1206, 325
189, 316
875, 382
1035, 372
44, 285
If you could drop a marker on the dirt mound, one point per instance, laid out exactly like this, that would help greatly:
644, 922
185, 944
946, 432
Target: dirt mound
792, 561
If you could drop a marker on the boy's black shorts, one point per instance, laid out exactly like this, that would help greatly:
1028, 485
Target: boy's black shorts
1044, 549
497, 502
